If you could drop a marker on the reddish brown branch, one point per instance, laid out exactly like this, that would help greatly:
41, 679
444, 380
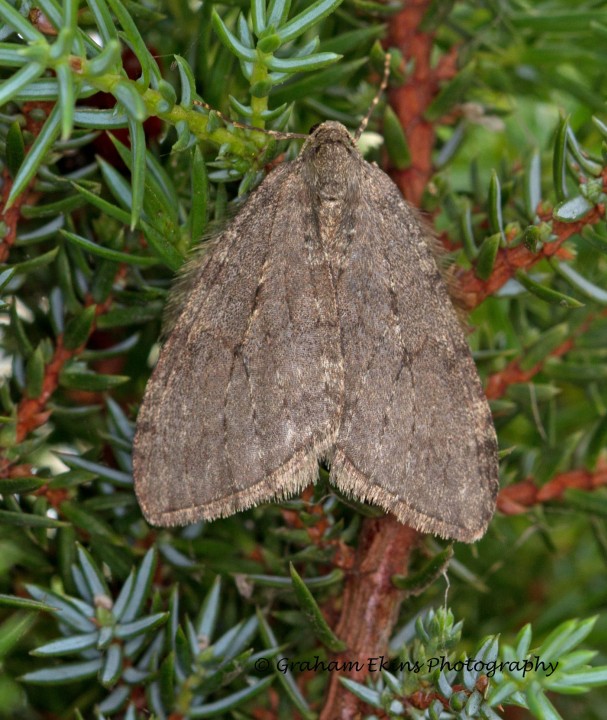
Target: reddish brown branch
410, 100
32, 412
370, 605
518, 498
510, 259
11, 216
499, 382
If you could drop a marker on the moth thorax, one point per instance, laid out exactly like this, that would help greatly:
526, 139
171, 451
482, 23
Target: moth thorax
328, 171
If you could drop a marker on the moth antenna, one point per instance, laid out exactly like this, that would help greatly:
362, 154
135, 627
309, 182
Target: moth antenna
242, 126
384, 84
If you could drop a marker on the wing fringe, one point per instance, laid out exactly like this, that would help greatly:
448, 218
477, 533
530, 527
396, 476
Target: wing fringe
285, 482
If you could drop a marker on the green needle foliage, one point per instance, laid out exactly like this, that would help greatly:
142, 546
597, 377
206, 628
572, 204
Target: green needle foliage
122, 144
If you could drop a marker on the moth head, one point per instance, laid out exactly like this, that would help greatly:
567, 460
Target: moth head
329, 132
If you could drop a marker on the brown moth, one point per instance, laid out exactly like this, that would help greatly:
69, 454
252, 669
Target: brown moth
319, 328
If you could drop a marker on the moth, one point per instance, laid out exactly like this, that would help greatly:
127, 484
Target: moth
319, 328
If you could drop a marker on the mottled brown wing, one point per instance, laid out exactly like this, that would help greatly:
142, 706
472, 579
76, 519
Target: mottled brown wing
416, 435
244, 398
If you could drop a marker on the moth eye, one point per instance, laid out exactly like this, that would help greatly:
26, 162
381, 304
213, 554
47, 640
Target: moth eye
314, 128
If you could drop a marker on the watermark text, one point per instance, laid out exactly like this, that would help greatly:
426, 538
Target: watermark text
377, 664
